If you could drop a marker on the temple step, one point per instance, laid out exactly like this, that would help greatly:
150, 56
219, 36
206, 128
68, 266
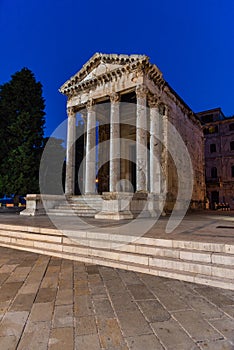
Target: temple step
70, 212
84, 206
197, 262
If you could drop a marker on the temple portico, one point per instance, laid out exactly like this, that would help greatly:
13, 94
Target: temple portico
126, 105
141, 139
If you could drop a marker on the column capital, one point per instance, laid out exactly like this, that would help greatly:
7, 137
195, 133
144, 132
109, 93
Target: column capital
114, 97
141, 91
167, 111
90, 105
153, 101
71, 112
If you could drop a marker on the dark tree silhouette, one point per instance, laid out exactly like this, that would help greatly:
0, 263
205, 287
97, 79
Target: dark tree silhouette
21, 130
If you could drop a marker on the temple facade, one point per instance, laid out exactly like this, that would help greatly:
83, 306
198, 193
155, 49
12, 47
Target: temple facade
131, 115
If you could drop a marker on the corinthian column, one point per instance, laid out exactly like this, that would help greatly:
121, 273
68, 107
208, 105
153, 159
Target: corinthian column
70, 157
165, 125
90, 164
114, 142
141, 139
155, 147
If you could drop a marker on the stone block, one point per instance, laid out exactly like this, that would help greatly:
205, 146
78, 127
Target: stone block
172, 335
140, 342
133, 323
63, 316
110, 334
61, 338
90, 341
198, 329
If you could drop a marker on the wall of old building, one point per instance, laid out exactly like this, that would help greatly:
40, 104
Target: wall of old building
221, 188
191, 132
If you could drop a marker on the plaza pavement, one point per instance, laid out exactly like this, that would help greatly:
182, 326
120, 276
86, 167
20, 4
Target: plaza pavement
52, 303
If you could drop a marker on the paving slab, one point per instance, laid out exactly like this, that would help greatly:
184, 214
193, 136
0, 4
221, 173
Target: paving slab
153, 311
83, 306
84, 342
133, 323
110, 333
139, 342
35, 336
96, 308
63, 316
8, 342
198, 328
85, 325
173, 335
61, 338
217, 345
41, 312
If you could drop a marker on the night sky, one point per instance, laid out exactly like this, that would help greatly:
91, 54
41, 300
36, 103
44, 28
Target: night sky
192, 42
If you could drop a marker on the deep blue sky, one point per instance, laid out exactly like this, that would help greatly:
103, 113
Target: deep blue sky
192, 42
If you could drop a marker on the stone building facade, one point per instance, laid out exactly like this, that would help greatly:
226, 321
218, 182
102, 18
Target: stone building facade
127, 108
219, 156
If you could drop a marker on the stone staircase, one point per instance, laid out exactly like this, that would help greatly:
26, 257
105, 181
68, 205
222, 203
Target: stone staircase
198, 262
86, 206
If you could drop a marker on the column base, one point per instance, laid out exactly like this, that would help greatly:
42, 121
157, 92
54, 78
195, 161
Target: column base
116, 206
127, 205
156, 203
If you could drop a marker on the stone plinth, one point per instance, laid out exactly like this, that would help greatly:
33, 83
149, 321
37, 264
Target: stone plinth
127, 205
34, 204
116, 206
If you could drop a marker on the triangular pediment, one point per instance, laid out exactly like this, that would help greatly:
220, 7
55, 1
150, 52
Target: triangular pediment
101, 69
100, 64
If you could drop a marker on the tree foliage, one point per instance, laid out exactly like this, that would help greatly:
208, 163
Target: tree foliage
21, 130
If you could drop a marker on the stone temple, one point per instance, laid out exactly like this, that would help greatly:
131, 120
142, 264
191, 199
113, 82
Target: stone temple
128, 109
143, 150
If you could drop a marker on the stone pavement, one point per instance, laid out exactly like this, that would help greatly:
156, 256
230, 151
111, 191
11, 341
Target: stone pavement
51, 303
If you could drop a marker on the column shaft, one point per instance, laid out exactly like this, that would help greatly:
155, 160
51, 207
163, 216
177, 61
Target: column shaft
164, 181
90, 164
155, 149
141, 140
70, 157
114, 175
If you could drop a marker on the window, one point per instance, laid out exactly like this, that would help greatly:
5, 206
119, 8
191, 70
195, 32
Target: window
232, 168
211, 130
214, 172
232, 145
212, 147
231, 127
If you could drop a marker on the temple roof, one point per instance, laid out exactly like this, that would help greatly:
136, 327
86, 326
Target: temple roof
105, 64
102, 68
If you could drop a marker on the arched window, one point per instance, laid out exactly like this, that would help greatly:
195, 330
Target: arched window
214, 172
